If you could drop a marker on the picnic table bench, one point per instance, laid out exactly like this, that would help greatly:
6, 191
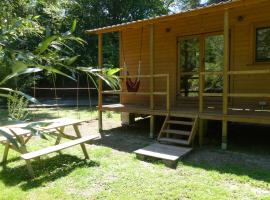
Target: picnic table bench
22, 134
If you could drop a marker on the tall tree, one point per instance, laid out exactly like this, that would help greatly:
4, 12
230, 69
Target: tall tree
53, 17
180, 5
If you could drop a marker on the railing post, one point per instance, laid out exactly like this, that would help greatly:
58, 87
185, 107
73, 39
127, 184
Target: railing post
201, 75
152, 60
201, 89
100, 64
168, 94
225, 80
152, 66
121, 62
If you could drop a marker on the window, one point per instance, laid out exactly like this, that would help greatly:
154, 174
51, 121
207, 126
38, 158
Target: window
263, 44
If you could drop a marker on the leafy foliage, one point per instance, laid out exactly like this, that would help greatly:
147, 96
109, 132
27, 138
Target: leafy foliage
35, 45
107, 75
179, 5
17, 107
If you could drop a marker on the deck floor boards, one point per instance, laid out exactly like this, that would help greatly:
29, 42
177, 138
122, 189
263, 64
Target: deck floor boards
234, 114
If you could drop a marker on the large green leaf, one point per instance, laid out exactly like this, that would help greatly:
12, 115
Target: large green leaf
71, 60
43, 46
74, 23
111, 80
18, 66
28, 97
54, 70
112, 71
5, 95
18, 70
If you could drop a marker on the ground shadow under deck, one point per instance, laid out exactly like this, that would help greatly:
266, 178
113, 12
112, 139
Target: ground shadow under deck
244, 157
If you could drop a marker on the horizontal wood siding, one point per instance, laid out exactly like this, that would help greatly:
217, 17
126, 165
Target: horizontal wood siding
166, 35
242, 56
131, 49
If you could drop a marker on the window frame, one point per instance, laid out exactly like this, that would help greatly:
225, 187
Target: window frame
181, 73
201, 36
253, 36
257, 60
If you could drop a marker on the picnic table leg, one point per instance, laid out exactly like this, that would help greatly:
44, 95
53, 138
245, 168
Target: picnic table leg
59, 137
4, 161
77, 131
23, 150
29, 168
28, 162
28, 138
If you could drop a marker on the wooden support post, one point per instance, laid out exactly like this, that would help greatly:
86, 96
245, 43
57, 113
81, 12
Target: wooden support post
121, 63
224, 134
201, 131
77, 131
168, 107
152, 126
201, 76
201, 91
152, 66
127, 118
100, 64
225, 80
152, 60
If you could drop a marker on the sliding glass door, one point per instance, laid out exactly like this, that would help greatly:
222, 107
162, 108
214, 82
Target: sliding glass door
200, 53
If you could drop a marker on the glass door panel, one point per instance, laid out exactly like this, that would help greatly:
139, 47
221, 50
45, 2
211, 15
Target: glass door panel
214, 51
189, 64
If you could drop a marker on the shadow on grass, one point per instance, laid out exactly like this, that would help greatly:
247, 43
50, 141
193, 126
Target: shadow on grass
254, 164
126, 138
226, 162
47, 170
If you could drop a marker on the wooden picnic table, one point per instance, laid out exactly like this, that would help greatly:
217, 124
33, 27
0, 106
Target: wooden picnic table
22, 134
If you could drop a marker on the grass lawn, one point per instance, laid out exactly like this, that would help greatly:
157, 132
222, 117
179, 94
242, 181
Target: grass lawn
113, 172
83, 113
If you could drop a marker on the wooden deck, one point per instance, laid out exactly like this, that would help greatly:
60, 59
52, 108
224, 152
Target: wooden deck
234, 114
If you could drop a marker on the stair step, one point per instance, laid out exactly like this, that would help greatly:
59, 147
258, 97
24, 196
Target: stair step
179, 122
178, 132
176, 141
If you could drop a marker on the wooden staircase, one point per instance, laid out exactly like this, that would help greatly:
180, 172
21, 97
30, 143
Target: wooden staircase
178, 130
174, 132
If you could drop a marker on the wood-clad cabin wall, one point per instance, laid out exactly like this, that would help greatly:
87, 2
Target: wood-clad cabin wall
131, 50
166, 35
242, 54
166, 48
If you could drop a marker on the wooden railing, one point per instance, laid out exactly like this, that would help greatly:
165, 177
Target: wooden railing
229, 94
249, 72
201, 93
150, 93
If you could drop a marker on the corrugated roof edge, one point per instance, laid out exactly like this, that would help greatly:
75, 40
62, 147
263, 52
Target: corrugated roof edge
107, 28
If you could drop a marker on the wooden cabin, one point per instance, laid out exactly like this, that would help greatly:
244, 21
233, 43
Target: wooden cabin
209, 63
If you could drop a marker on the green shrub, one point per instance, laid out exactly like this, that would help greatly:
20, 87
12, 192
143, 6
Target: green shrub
17, 107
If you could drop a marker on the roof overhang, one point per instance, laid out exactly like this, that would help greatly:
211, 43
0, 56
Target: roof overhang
185, 14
